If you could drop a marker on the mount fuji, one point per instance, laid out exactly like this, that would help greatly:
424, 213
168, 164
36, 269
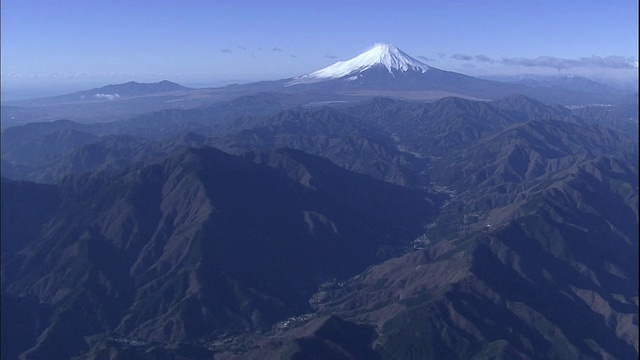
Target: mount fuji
385, 70
385, 67
387, 56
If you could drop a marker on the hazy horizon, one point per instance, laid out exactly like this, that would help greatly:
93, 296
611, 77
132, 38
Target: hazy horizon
70, 46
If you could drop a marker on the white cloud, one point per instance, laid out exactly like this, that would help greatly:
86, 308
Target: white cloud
107, 96
484, 58
463, 57
425, 58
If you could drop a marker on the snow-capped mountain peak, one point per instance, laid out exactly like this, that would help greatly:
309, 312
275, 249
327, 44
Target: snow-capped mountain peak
385, 55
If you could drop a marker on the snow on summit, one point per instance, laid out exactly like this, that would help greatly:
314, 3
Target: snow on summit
386, 55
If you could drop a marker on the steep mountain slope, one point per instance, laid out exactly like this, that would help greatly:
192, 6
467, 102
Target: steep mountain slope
388, 139
514, 234
560, 281
48, 151
337, 136
495, 178
200, 244
43, 149
110, 152
26, 207
523, 262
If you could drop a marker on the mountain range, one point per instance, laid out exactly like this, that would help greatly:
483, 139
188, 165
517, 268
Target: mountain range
382, 71
311, 218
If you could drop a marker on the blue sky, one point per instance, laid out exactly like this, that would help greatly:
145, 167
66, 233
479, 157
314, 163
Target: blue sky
64, 44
